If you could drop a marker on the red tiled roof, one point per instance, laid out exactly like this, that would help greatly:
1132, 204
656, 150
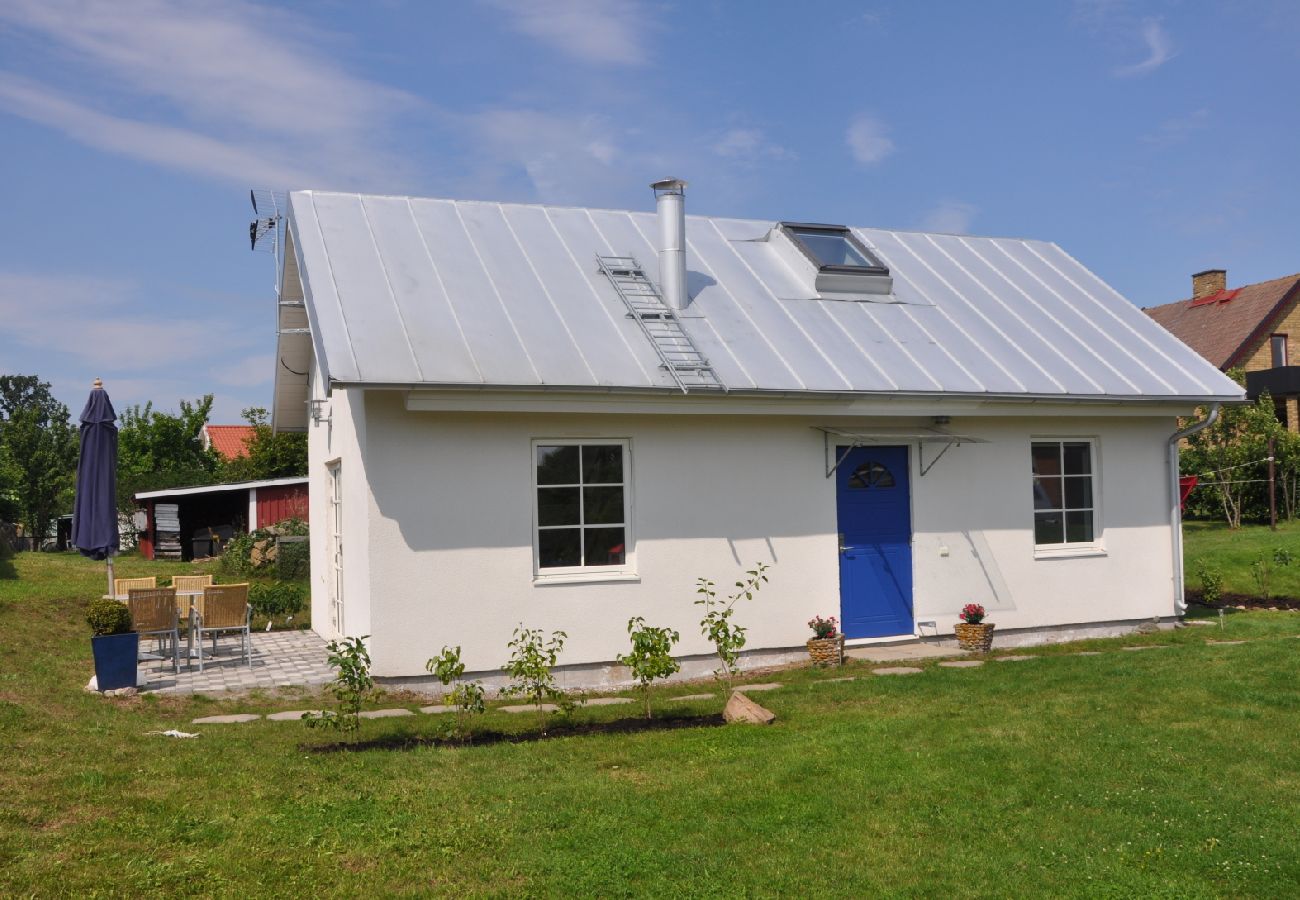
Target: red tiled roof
230, 441
1223, 327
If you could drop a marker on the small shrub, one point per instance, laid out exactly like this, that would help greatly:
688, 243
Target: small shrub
107, 617
1261, 569
257, 553
651, 656
1211, 579
728, 638
277, 598
466, 697
350, 687
529, 669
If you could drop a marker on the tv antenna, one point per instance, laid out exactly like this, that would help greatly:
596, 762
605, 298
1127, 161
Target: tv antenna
266, 231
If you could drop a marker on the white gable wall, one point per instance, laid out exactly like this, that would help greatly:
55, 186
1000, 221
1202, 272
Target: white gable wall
445, 554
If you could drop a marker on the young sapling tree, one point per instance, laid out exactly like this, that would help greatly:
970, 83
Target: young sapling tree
727, 637
350, 687
529, 669
465, 696
651, 656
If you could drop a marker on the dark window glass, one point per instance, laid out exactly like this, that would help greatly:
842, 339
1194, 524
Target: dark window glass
604, 546
1047, 493
1078, 526
871, 474
1078, 459
602, 465
1078, 493
833, 248
602, 505
1047, 459
1278, 346
1048, 528
557, 506
557, 465
559, 547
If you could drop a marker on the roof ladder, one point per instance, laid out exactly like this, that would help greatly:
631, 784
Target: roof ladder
659, 323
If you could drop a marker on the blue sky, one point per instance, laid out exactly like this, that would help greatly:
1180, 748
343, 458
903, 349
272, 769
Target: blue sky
1149, 139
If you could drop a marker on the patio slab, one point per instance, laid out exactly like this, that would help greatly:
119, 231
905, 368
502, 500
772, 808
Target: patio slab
881, 653
290, 715
962, 663
897, 670
279, 659
1012, 658
385, 713
691, 697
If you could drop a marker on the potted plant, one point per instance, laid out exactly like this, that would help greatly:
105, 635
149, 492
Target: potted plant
973, 633
114, 644
826, 647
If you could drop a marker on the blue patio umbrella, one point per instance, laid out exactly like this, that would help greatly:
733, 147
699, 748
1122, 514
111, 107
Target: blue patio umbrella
94, 511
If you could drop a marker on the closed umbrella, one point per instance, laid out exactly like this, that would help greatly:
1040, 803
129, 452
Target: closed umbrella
94, 511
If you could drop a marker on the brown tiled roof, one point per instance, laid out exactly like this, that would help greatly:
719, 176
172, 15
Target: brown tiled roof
230, 441
1222, 329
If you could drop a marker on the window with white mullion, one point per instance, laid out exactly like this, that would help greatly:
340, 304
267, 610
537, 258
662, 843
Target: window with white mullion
1064, 481
581, 505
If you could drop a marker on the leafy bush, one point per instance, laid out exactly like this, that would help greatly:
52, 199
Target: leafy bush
466, 697
529, 669
651, 655
293, 560
350, 687
257, 552
277, 598
1261, 569
107, 617
1211, 582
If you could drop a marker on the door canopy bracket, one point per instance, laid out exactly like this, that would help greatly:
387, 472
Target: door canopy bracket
851, 438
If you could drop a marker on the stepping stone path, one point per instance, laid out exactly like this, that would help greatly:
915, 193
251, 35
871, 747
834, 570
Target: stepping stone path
1202, 622
962, 663
385, 713
608, 701
439, 708
690, 697
291, 714
226, 720
1146, 647
528, 707
833, 680
746, 688
1013, 658
897, 670
1225, 643
1088, 653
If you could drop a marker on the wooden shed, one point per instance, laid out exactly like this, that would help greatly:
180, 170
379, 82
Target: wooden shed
190, 522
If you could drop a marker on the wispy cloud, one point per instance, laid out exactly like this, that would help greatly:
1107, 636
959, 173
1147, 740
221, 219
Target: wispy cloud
233, 97
950, 217
750, 145
1177, 129
602, 32
1159, 49
868, 139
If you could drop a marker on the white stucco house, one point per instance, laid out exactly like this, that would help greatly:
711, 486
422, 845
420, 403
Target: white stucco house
562, 417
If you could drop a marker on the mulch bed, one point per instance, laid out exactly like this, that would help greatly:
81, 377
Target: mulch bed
1244, 601
488, 738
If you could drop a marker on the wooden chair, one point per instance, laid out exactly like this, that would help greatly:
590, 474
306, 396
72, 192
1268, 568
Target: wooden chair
224, 609
153, 612
123, 586
192, 582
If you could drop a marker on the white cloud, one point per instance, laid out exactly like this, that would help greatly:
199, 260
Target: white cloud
604, 32
1158, 46
868, 139
242, 95
749, 144
949, 217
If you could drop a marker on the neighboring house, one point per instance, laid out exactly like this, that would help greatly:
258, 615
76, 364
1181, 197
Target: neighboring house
194, 522
1248, 327
229, 441
505, 429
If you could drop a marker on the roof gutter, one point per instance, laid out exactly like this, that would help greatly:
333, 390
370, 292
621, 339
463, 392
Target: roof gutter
1175, 508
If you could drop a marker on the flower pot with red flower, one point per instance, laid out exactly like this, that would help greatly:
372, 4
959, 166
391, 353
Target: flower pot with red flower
973, 633
826, 647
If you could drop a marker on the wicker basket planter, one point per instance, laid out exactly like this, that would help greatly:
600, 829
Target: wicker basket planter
827, 651
975, 637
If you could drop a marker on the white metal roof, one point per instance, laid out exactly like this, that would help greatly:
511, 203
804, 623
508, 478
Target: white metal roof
219, 488
403, 291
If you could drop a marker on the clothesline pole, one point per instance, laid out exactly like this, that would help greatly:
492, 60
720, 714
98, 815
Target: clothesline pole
1272, 490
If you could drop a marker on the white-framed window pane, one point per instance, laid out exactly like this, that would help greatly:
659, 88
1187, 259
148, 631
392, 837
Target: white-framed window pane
581, 504
602, 464
558, 547
1064, 492
602, 505
604, 546
1049, 528
558, 464
559, 506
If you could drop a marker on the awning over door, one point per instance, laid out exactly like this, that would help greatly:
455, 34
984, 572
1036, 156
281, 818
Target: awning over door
844, 436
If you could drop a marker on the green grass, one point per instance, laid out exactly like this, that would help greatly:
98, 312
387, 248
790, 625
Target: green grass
1169, 772
1232, 553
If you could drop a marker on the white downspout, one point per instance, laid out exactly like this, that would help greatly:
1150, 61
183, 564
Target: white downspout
1175, 509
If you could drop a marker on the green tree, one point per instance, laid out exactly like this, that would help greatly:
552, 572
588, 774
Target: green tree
38, 453
157, 450
270, 455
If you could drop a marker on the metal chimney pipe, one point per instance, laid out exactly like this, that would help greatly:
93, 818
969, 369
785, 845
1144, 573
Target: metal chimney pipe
670, 197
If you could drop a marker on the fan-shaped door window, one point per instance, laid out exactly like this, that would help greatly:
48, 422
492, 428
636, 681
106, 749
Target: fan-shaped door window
871, 474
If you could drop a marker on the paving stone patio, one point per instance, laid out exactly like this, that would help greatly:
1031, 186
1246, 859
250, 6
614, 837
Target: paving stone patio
279, 659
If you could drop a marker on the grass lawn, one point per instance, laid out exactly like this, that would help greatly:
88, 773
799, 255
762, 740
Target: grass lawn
1169, 772
1232, 552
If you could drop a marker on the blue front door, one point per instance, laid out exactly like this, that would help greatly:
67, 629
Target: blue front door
875, 522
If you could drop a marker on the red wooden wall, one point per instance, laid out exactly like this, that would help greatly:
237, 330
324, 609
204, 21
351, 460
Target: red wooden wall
275, 504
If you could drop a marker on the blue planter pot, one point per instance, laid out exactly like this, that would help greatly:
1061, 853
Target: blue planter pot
115, 657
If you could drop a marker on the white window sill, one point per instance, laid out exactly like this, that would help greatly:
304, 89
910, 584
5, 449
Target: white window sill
1080, 552
585, 578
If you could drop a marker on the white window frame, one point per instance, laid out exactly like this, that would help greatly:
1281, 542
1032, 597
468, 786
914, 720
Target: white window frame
1095, 547
583, 574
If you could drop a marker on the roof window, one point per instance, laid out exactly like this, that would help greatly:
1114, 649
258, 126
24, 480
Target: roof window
844, 264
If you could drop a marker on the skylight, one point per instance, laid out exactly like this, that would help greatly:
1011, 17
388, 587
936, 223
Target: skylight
833, 248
